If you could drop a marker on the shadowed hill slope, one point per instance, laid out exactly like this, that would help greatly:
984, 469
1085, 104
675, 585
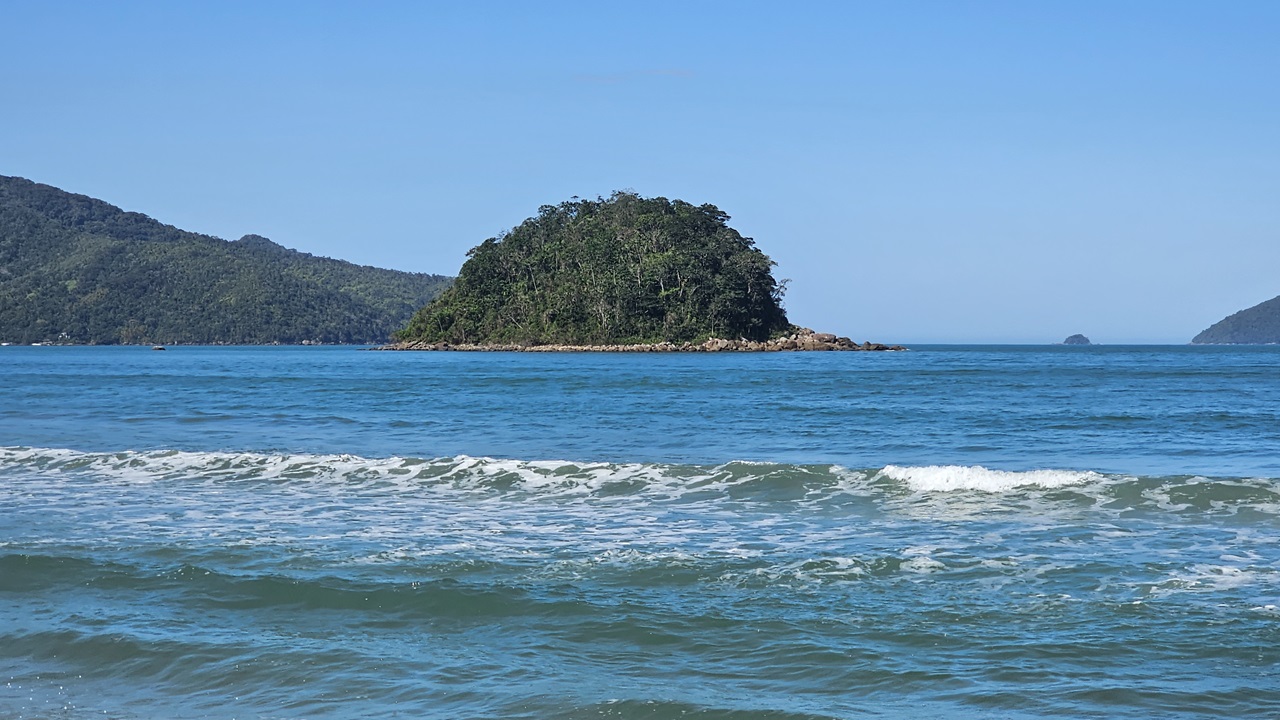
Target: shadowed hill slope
1258, 325
77, 269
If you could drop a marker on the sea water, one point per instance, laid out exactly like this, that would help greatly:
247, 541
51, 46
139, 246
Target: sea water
972, 532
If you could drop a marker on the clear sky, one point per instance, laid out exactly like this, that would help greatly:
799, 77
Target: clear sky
921, 171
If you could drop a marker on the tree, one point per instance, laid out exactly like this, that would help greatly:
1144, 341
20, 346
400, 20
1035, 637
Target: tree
620, 270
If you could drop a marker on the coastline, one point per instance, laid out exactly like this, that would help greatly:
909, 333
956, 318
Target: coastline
803, 340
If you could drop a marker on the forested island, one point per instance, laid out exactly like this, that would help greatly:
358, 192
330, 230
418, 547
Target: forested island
1258, 325
74, 269
622, 273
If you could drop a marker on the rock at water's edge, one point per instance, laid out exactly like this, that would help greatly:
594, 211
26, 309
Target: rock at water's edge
801, 339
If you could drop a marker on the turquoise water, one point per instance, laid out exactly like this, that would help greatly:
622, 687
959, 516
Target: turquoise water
1009, 532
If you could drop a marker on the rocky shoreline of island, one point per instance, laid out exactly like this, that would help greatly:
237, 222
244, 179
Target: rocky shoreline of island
802, 339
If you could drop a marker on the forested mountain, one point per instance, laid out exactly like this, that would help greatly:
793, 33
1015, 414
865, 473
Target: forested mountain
1258, 325
76, 269
621, 270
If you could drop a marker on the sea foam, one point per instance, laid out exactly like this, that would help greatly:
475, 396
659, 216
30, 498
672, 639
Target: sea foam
941, 478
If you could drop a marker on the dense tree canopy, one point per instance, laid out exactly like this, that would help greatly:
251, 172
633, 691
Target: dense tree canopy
620, 270
77, 269
1258, 325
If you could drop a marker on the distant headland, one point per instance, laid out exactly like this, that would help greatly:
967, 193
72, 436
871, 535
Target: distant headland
619, 274
1258, 325
77, 270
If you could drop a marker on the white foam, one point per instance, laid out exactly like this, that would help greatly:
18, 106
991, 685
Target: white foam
138, 467
945, 478
922, 565
1204, 577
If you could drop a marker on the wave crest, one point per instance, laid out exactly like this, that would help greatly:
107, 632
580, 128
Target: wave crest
943, 478
831, 487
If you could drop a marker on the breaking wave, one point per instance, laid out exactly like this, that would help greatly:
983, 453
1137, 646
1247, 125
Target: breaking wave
942, 478
740, 481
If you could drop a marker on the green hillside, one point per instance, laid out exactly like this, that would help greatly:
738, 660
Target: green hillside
1258, 325
624, 270
80, 270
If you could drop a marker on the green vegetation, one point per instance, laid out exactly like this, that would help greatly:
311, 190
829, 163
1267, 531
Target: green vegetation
76, 269
624, 270
1258, 325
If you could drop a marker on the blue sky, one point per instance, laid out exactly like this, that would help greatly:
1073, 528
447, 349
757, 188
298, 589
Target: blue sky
921, 171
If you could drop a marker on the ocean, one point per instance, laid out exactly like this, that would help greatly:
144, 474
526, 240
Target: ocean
953, 531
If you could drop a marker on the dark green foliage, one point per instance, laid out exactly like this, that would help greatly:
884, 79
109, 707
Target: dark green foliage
618, 271
79, 270
1259, 325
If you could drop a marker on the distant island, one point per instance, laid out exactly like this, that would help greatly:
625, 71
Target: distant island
1077, 339
622, 273
1258, 325
74, 269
